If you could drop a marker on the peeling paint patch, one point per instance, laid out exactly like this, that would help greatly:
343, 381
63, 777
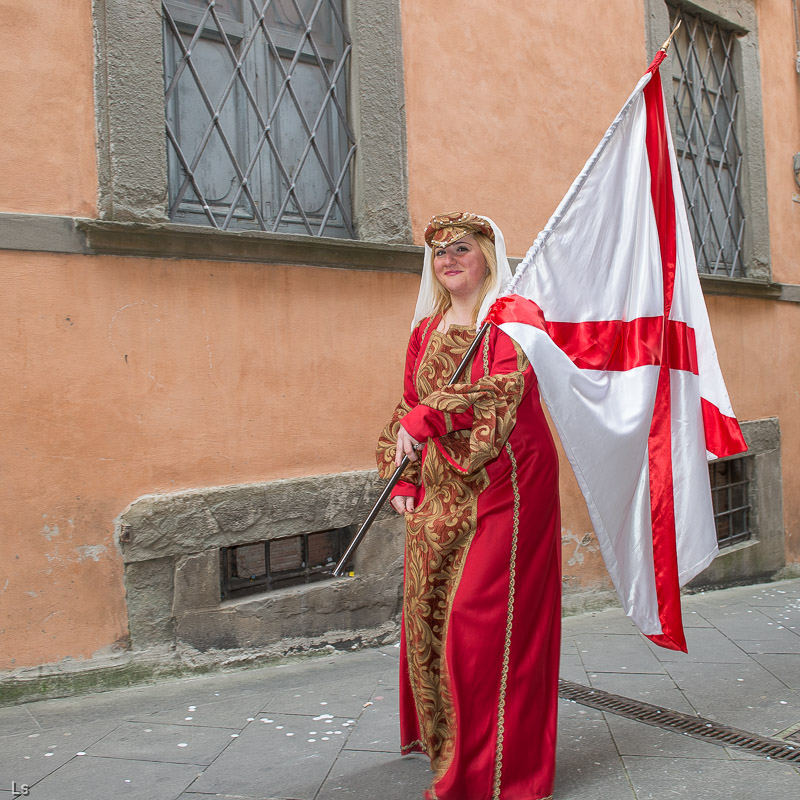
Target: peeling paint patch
582, 543
90, 551
50, 533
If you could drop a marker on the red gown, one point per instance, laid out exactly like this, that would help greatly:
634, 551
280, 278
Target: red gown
482, 590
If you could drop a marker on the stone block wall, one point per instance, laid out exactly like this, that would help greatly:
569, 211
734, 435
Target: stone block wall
171, 546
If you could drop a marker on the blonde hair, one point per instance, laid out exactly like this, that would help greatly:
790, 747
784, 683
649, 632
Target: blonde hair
442, 296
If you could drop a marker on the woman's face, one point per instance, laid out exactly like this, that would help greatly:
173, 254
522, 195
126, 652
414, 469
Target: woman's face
460, 268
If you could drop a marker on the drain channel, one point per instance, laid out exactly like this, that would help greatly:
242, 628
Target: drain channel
699, 728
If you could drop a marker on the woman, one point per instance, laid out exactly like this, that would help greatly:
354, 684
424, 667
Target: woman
481, 612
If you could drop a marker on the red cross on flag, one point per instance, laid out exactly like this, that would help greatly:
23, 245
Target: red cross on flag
608, 307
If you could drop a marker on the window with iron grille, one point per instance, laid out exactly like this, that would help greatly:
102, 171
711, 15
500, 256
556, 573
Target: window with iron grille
707, 140
257, 130
730, 490
276, 563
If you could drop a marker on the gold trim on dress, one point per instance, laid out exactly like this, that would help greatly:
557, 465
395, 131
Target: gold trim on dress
501, 706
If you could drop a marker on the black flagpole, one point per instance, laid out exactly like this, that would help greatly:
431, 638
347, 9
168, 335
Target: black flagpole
365, 526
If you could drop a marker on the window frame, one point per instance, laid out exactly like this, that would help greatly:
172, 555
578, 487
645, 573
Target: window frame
259, 191
763, 554
272, 579
738, 16
132, 147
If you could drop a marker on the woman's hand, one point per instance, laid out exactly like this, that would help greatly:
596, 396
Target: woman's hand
407, 445
402, 503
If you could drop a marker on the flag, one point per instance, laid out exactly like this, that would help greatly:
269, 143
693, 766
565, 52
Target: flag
607, 305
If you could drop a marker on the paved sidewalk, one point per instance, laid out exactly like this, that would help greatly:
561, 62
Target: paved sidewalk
326, 728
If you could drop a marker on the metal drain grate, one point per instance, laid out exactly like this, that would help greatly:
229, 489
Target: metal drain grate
697, 727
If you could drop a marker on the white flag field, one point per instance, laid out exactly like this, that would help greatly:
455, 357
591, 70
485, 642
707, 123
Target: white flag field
607, 305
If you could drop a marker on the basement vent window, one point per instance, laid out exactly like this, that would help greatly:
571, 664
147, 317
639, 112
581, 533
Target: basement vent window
730, 487
277, 563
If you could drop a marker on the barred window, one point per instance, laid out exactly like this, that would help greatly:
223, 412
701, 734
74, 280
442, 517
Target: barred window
707, 141
288, 561
730, 493
257, 130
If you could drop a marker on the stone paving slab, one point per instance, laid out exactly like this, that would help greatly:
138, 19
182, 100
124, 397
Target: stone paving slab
744, 696
379, 725
172, 744
706, 645
588, 766
88, 778
776, 645
572, 669
602, 652
17, 719
633, 738
288, 757
232, 713
658, 690
28, 758
785, 667
388, 776
659, 778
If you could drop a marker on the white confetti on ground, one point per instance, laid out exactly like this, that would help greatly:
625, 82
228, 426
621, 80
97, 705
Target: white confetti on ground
148, 730
78, 754
33, 735
264, 719
183, 744
234, 736
290, 734
188, 718
279, 727
324, 703
250, 719
311, 740
192, 708
326, 738
48, 754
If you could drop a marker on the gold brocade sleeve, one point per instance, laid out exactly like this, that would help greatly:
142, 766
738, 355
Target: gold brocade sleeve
387, 445
494, 401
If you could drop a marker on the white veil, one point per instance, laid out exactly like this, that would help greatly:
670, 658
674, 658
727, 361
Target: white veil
426, 299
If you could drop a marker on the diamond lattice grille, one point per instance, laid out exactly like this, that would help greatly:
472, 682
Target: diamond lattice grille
257, 129
707, 145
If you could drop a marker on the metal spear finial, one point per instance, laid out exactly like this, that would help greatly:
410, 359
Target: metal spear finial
666, 44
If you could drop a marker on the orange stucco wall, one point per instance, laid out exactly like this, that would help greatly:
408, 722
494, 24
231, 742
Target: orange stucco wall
48, 123
131, 376
756, 343
504, 105
780, 87
135, 376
